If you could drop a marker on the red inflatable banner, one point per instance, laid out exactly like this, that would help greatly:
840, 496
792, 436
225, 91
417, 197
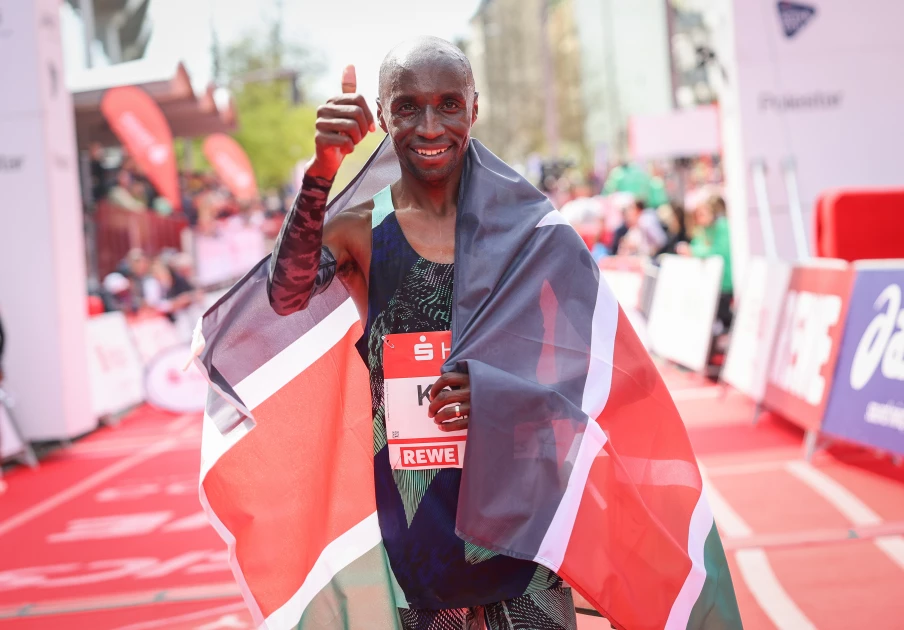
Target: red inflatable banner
231, 164
143, 130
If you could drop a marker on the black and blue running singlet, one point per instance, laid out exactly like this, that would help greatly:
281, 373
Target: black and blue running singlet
417, 508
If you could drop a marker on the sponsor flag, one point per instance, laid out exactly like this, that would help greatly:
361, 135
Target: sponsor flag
576, 456
231, 164
140, 125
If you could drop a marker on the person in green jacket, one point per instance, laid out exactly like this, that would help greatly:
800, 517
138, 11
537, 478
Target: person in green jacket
711, 238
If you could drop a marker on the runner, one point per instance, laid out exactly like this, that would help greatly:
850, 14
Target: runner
395, 255
476, 300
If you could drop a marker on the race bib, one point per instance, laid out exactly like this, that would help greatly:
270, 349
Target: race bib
411, 364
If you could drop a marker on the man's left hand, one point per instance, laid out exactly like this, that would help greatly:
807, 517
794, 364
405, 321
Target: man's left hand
444, 403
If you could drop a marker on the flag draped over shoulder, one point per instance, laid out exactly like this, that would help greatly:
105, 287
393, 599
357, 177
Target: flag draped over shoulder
577, 458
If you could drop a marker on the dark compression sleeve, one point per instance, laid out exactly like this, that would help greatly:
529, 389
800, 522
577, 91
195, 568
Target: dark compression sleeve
301, 266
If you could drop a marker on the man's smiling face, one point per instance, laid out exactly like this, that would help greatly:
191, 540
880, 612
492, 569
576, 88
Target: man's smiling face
427, 106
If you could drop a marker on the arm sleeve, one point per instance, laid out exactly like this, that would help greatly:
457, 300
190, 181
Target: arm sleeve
301, 266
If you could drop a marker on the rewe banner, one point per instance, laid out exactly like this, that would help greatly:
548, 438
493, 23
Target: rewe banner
807, 340
143, 130
867, 400
232, 165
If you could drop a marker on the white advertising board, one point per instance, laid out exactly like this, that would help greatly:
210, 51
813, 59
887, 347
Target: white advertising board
227, 256
754, 326
41, 223
114, 365
153, 334
807, 91
684, 309
172, 388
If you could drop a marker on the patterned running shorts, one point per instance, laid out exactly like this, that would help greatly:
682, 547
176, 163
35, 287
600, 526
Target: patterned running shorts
552, 609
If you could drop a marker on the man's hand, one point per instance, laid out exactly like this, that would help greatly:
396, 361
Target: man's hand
443, 402
683, 249
341, 124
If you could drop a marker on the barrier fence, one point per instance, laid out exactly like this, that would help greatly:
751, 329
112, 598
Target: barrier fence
116, 231
821, 343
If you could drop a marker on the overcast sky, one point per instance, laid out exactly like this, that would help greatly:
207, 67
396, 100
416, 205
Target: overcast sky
341, 31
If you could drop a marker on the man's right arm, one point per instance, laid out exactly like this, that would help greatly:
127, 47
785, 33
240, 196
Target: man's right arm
303, 264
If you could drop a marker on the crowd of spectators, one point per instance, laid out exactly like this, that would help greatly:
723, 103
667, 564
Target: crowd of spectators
203, 196
161, 284
635, 215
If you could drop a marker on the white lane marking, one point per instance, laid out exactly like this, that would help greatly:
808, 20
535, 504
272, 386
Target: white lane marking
697, 393
768, 592
751, 468
92, 481
729, 522
893, 547
849, 504
199, 615
754, 566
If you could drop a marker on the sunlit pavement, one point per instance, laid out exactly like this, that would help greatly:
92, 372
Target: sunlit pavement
110, 534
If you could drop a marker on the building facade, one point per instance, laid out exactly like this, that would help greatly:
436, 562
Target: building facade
625, 68
526, 62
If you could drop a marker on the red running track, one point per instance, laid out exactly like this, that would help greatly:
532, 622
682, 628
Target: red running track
109, 533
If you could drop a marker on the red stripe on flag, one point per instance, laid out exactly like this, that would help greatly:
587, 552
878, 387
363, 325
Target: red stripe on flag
628, 550
301, 477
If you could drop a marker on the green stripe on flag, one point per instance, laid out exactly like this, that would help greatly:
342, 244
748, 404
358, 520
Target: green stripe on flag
364, 594
717, 606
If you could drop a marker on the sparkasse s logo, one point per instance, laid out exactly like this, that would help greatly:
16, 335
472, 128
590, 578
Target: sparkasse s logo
794, 17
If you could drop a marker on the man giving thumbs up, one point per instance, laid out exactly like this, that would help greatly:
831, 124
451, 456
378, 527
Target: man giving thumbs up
395, 254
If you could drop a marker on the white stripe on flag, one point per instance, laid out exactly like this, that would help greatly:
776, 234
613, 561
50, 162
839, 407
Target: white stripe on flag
552, 550
256, 614
701, 525
553, 217
214, 444
596, 394
278, 371
336, 556
602, 349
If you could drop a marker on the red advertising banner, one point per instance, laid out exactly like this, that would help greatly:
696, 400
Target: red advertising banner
231, 164
143, 130
808, 338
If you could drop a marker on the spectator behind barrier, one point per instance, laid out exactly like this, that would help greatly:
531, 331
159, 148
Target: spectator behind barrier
672, 216
644, 235
167, 292
712, 238
117, 294
123, 194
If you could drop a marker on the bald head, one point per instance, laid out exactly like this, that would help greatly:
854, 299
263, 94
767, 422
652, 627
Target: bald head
422, 54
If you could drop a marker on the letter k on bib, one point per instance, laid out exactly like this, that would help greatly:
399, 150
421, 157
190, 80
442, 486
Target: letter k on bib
411, 364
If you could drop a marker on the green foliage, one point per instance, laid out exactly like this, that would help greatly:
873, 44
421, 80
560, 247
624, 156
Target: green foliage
275, 131
198, 159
